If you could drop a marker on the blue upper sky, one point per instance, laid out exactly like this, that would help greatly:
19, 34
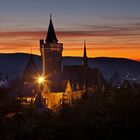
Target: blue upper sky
33, 14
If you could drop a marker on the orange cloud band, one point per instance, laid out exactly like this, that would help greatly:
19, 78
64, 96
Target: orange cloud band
98, 44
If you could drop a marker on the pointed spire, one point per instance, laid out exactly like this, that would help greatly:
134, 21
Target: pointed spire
85, 59
85, 51
51, 35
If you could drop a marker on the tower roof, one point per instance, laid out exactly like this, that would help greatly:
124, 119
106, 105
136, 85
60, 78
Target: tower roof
85, 59
51, 35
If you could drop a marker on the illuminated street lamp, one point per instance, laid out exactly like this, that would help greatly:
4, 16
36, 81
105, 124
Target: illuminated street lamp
41, 80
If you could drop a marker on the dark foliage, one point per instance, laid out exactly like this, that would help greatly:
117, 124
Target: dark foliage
107, 114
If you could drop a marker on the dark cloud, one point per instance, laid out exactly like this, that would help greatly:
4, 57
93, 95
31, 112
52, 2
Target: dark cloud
123, 18
132, 29
106, 34
129, 30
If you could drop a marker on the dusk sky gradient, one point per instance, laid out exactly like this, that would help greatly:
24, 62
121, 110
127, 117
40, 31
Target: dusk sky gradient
111, 27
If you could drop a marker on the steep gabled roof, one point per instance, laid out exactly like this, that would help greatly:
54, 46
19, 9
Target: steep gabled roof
30, 69
51, 35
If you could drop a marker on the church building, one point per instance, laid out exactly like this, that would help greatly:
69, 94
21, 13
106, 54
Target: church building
64, 82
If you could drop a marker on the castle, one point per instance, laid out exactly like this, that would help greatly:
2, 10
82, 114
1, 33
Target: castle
63, 83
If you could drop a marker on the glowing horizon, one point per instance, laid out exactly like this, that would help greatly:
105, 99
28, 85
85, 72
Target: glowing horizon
73, 46
111, 28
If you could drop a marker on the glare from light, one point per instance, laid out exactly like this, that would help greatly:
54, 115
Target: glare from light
41, 79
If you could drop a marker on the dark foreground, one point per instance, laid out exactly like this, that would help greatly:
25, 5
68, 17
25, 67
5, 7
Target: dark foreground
110, 114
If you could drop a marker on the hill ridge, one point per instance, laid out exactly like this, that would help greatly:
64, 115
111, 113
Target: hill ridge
14, 64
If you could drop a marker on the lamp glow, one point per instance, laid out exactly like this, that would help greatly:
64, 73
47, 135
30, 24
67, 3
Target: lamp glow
41, 79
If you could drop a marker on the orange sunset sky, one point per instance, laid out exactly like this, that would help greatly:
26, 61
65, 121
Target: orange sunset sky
111, 29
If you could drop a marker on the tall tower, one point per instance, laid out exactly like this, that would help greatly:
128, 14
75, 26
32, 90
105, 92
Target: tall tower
51, 51
85, 59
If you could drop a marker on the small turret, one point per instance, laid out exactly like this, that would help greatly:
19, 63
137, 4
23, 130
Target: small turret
85, 59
